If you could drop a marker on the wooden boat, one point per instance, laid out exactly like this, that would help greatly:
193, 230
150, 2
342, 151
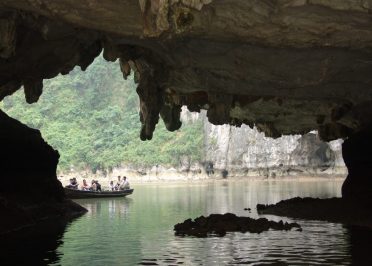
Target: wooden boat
86, 194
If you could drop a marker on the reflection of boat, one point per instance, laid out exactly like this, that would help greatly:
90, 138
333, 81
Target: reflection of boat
83, 194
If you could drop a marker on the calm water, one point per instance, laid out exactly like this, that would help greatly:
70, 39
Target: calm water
139, 229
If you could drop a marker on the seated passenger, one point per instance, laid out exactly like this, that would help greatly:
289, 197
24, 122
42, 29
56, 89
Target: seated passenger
98, 186
85, 185
70, 185
117, 186
73, 184
112, 187
124, 184
93, 187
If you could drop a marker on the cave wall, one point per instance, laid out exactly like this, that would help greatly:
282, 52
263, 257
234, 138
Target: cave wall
356, 151
28, 163
29, 190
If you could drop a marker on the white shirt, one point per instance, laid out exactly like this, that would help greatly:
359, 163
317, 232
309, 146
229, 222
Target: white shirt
124, 184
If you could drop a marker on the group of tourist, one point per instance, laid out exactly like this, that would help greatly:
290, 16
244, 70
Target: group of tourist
95, 185
122, 184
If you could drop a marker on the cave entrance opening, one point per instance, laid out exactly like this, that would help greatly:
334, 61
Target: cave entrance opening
92, 119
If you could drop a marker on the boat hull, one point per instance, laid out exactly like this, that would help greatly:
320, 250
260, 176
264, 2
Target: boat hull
82, 194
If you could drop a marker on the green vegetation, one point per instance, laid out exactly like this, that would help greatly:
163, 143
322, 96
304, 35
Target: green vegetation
92, 119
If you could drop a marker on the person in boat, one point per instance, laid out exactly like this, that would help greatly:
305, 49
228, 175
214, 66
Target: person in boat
70, 185
98, 186
70, 182
124, 184
93, 186
117, 186
85, 185
112, 187
73, 184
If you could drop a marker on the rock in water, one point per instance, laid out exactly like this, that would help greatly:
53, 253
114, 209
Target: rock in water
219, 224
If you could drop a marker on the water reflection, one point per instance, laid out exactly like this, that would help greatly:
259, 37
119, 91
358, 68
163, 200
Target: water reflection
116, 207
138, 230
33, 246
360, 245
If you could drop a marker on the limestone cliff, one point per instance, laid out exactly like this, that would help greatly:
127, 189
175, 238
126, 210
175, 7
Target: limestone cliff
245, 151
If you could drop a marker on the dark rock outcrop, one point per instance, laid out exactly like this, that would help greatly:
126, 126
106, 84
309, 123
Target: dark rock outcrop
219, 224
335, 210
29, 191
356, 151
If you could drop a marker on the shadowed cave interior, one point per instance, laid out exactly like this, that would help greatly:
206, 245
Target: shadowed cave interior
279, 67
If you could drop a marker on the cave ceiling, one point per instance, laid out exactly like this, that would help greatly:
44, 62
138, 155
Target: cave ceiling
286, 66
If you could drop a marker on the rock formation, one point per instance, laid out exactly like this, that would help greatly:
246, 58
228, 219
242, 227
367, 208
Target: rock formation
286, 66
356, 151
336, 210
219, 224
244, 151
30, 191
